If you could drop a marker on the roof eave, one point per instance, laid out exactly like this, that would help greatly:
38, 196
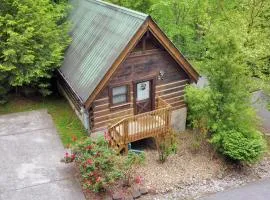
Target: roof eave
163, 39
67, 82
173, 50
132, 43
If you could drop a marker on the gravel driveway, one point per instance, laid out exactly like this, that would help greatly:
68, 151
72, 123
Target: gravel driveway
30, 153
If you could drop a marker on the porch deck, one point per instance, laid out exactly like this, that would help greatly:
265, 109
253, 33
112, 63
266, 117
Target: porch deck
145, 125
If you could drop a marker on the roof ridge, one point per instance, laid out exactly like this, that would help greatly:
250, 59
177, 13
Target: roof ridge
120, 8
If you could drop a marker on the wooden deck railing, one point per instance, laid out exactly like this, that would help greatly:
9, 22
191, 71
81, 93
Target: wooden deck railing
145, 125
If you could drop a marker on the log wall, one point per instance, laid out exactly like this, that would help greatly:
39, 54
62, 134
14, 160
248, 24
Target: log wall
145, 62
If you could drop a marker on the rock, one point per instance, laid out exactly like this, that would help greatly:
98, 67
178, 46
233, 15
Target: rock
220, 176
128, 197
107, 197
152, 191
170, 189
135, 193
143, 190
117, 196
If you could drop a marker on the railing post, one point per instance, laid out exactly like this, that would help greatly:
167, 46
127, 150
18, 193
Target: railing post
125, 128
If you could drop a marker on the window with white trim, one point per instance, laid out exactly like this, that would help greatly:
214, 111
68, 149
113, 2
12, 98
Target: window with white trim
119, 95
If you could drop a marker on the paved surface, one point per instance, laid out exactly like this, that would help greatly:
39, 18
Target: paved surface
30, 153
260, 103
254, 191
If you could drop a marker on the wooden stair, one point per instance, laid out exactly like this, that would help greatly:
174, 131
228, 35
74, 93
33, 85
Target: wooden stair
138, 127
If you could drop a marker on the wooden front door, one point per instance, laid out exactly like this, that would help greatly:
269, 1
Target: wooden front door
144, 96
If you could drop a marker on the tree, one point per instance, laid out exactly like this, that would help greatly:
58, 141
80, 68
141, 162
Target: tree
139, 5
185, 23
34, 35
224, 107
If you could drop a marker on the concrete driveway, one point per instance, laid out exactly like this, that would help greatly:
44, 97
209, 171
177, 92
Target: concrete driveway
254, 191
30, 153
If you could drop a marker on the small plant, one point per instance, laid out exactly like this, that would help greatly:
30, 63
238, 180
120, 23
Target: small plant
166, 146
131, 162
198, 139
195, 146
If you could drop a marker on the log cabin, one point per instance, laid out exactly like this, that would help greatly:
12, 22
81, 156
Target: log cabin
122, 74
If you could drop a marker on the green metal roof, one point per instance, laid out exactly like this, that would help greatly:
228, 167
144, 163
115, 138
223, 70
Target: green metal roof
100, 33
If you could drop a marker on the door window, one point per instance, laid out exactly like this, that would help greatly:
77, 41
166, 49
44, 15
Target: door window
143, 90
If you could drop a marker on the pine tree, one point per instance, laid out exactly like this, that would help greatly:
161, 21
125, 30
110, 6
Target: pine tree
33, 35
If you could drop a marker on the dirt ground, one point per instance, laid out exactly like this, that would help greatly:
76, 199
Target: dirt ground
194, 171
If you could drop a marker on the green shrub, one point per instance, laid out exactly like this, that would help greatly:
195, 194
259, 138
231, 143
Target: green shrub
99, 165
219, 116
240, 146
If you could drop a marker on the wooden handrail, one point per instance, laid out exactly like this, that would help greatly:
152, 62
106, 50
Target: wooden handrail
136, 127
160, 103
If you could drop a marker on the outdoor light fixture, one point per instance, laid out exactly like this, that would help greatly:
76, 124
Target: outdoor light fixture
161, 75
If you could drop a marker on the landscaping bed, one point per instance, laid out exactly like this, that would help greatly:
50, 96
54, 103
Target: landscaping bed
195, 171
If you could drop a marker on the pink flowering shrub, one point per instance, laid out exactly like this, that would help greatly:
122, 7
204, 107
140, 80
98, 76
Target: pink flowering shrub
69, 157
99, 165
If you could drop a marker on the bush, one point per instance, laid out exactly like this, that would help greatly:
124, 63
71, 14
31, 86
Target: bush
200, 108
99, 165
224, 119
240, 146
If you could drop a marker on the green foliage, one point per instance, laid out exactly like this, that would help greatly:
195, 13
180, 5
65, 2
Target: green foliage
167, 145
139, 5
200, 106
33, 37
185, 23
99, 165
132, 161
66, 121
224, 108
240, 146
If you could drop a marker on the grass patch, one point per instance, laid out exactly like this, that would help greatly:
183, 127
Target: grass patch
66, 121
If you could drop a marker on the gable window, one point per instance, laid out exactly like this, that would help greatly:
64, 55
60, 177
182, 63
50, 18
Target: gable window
119, 94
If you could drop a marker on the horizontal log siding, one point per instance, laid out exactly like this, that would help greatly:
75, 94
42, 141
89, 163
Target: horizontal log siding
69, 92
137, 66
104, 114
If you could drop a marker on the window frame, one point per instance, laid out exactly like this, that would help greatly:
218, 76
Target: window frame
112, 105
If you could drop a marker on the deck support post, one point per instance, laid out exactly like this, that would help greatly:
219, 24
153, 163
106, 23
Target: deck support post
126, 122
155, 124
